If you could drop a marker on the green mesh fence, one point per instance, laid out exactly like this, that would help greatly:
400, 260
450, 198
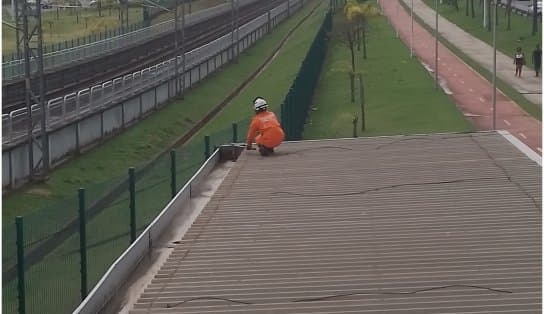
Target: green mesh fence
295, 107
51, 241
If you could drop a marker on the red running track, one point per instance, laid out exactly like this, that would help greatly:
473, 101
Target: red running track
471, 92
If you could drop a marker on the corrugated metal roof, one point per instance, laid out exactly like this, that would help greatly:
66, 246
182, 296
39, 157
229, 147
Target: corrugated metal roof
447, 223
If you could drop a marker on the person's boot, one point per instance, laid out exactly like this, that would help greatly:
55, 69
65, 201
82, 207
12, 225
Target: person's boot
263, 150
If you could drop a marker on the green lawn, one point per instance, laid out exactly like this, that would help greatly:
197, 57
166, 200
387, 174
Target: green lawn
108, 232
507, 40
400, 94
70, 25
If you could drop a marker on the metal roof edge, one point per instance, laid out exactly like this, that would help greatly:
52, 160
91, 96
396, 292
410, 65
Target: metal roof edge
521, 146
121, 268
390, 136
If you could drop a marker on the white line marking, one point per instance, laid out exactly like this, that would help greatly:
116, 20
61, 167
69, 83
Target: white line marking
506, 121
523, 135
482, 99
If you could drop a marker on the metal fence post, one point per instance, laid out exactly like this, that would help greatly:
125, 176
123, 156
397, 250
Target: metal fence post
132, 189
207, 146
173, 172
284, 119
82, 243
234, 132
20, 265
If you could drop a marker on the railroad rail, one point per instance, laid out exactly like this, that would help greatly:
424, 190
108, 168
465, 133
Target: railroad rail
65, 80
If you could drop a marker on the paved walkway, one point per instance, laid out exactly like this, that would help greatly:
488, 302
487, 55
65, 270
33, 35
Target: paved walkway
471, 92
528, 85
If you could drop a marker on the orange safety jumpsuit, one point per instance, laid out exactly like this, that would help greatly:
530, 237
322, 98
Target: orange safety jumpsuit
269, 129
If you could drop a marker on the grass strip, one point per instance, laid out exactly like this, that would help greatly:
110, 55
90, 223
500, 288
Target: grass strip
399, 93
519, 35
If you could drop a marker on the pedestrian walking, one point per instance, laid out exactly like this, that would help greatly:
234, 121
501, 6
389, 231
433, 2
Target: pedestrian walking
519, 61
537, 59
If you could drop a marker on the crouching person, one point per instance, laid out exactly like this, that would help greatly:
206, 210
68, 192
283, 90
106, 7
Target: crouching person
264, 129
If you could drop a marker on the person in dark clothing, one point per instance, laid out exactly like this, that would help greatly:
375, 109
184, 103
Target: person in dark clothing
519, 61
537, 59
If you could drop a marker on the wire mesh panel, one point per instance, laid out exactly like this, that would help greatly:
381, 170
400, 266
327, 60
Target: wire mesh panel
51, 243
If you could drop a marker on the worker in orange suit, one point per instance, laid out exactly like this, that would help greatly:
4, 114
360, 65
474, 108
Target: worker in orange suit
264, 129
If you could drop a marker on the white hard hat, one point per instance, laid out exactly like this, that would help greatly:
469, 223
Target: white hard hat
259, 103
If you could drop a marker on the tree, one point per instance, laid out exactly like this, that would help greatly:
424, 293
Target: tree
357, 14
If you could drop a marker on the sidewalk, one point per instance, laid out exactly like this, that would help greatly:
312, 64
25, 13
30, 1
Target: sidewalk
528, 85
470, 91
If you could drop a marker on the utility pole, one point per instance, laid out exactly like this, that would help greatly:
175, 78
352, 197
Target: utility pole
436, 46
237, 28
234, 28
32, 39
412, 27
495, 68
18, 27
124, 15
176, 62
183, 48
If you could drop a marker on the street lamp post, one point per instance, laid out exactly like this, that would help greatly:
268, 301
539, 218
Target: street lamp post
176, 62
183, 47
436, 46
412, 32
495, 67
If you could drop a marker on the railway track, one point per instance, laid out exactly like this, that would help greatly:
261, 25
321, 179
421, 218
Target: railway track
68, 79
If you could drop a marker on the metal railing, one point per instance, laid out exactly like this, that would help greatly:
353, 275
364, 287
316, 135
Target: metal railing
63, 110
15, 69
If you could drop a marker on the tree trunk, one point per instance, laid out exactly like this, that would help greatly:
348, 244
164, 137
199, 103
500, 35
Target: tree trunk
351, 49
472, 8
352, 86
466, 7
364, 43
362, 96
358, 39
456, 5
